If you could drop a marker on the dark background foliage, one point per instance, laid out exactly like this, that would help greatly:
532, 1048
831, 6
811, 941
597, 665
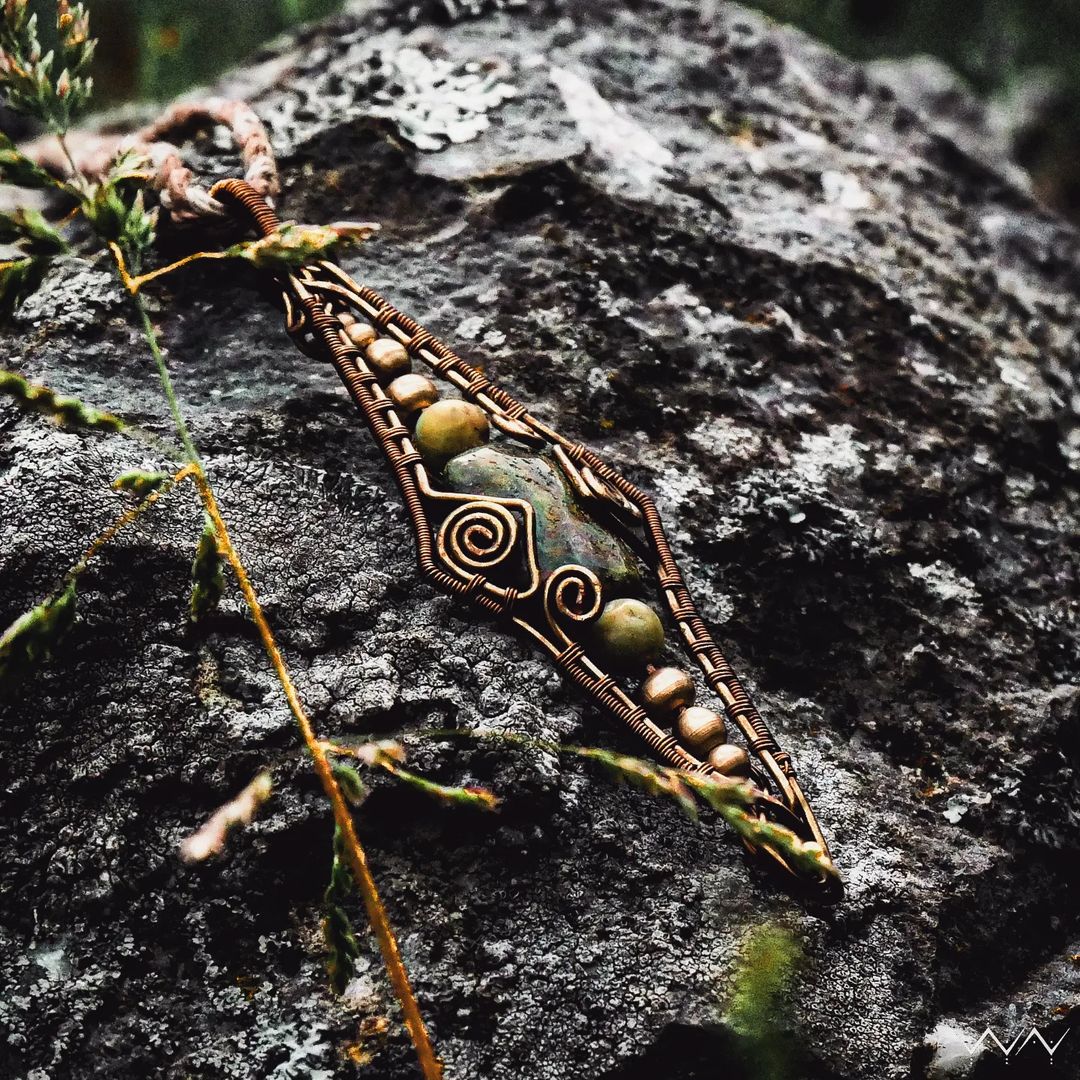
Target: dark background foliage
1007, 50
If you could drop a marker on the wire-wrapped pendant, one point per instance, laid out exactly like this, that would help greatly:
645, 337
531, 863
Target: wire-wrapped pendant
490, 528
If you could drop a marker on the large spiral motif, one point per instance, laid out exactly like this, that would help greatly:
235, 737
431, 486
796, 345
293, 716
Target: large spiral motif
573, 593
478, 536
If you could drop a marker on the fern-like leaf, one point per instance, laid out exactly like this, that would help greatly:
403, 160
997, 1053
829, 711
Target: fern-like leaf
35, 635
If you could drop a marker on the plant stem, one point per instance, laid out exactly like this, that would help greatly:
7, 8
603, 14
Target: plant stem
127, 518
76, 175
358, 863
134, 282
357, 859
166, 380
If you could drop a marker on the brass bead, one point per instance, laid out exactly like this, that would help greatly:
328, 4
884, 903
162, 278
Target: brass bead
729, 759
346, 318
700, 729
388, 359
666, 692
360, 334
411, 393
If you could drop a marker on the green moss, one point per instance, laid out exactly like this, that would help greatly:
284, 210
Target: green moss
759, 1010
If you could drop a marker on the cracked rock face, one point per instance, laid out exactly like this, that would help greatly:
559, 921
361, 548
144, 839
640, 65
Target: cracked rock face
838, 347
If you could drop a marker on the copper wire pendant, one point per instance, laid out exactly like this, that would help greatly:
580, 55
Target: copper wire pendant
483, 548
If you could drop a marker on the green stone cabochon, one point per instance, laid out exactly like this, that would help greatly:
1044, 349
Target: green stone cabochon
564, 533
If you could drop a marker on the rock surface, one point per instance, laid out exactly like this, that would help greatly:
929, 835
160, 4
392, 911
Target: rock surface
843, 353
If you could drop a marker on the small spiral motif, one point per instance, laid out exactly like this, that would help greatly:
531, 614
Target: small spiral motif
478, 535
573, 592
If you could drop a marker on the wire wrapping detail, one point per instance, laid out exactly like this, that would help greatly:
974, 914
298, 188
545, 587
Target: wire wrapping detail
486, 539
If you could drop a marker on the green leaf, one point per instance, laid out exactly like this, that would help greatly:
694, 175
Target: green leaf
207, 577
115, 208
341, 945
34, 636
18, 279
294, 245
650, 778
67, 411
473, 797
137, 231
130, 164
16, 168
139, 482
352, 787
31, 232
119, 216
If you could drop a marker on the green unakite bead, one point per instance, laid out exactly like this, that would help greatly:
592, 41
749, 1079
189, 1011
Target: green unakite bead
628, 634
448, 428
564, 534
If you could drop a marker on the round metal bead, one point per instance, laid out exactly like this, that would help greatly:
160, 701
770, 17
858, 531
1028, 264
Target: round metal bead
700, 729
346, 318
666, 692
729, 759
448, 428
388, 359
412, 392
360, 334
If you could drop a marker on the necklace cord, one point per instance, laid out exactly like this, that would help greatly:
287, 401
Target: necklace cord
185, 200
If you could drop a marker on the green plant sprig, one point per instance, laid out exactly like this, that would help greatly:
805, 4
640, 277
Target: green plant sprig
139, 482
38, 243
209, 839
72, 413
342, 948
291, 246
388, 755
66, 411
35, 635
116, 213
26, 72
759, 1008
207, 575
17, 169
19, 278
734, 800
28, 230
113, 205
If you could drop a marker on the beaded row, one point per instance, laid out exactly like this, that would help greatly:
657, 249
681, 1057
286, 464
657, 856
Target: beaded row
628, 634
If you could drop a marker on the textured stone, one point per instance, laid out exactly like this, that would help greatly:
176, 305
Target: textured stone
842, 352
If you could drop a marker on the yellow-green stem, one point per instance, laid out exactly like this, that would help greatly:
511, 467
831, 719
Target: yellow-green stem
365, 882
357, 859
